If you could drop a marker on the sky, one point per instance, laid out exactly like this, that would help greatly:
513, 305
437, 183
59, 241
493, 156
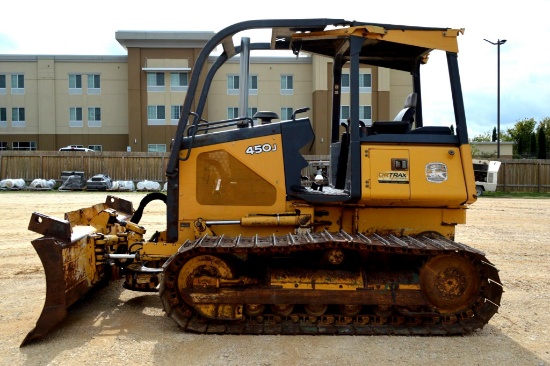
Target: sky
67, 27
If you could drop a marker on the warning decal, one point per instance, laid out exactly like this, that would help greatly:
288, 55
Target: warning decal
436, 172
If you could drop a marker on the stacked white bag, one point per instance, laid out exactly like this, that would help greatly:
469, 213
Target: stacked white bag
12, 184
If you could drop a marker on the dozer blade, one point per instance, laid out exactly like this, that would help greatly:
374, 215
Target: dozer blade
68, 255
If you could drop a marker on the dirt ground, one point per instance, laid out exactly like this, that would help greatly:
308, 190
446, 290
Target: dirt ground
122, 327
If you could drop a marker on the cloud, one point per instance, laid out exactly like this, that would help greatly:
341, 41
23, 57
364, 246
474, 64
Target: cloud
68, 27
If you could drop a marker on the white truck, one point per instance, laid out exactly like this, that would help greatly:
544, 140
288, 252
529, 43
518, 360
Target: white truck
486, 175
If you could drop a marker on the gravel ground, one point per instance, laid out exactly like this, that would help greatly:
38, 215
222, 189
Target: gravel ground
122, 327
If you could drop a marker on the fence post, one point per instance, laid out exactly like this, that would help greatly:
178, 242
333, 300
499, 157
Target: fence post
504, 177
539, 178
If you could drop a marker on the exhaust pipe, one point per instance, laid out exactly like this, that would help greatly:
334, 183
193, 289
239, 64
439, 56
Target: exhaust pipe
243, 80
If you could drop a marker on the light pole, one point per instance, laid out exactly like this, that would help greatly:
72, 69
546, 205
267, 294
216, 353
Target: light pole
498, 43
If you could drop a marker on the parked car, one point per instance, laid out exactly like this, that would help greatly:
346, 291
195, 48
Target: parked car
99, 182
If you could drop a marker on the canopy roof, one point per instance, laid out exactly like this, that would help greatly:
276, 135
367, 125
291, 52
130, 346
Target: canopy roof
392, 46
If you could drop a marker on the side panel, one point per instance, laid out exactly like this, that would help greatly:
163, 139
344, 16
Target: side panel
437, 175
396, 221
387, 180
431, 176
469, 177
410, 221
230, 180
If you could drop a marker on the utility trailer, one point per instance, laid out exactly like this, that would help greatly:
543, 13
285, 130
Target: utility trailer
486, 175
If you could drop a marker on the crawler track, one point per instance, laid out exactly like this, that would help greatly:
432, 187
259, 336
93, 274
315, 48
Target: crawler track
428, 321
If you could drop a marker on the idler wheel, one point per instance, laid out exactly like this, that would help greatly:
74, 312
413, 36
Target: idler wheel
449, 283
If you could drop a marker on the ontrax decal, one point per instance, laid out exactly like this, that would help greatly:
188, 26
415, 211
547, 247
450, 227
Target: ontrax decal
436, 172
393, 177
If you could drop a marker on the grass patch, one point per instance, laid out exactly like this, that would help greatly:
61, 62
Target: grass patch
515, 195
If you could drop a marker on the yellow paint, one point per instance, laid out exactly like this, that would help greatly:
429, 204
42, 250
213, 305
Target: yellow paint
267, 164
317, 280
435, 176
157, 250
388, 287
392, 220
467, 166
431, 39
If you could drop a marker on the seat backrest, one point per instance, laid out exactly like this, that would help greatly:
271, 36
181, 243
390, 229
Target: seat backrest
407, 113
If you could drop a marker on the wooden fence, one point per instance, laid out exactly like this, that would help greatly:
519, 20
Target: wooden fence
135, 166
524, 175
515, 175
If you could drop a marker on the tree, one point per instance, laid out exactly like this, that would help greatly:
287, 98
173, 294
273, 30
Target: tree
520, 148
533, 145
521, 134
542, 144
482, 137
505, 136
545, 125
494, 138
452, 129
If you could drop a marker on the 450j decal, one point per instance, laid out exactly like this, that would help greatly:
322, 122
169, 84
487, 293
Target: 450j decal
261, 148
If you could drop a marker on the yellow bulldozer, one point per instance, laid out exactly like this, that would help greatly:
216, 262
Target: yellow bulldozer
250, 249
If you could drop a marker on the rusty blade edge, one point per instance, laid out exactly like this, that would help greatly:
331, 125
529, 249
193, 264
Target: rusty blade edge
59, 294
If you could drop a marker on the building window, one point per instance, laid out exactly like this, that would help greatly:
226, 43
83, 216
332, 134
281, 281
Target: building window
175, 113
18, 84
75, 84
233, 84
2, 84
156, 115
287, 84
94, 117
3, 117
344, 84
94, 84
252, 111
253, 85
75, 81
95, 147
344, 113
365, 114
24, 145
156, 147
3, 145
75, 117
286, 113
18, 117
178, 81
155, 81
365, 83
232, 112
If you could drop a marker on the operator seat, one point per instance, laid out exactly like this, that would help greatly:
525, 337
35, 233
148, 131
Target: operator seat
408, 111
402, 123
